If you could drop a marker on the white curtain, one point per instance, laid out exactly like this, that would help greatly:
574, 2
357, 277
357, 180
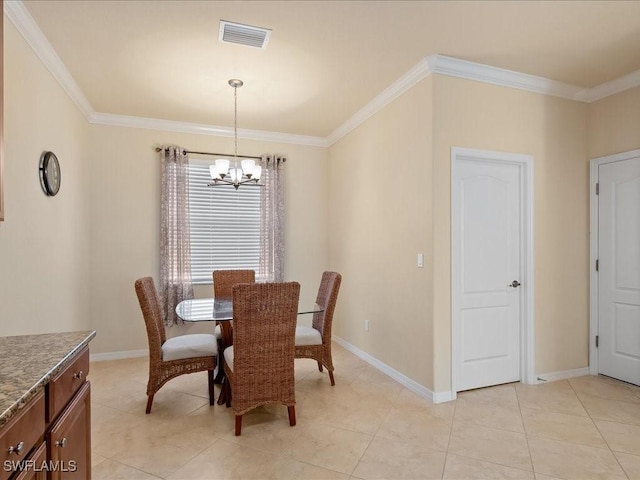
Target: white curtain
272, 217
175, 247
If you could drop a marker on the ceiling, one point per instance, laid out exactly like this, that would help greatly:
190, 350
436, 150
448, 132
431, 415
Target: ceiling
325, 60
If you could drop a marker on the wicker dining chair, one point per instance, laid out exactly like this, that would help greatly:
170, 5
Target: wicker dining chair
315, 342
224, 280
260, 363
170, 358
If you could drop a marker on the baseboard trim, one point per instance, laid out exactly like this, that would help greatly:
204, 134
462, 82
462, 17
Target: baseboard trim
562, 375
435, 397
100, 357
442, 397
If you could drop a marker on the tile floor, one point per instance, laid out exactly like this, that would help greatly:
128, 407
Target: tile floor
366, 427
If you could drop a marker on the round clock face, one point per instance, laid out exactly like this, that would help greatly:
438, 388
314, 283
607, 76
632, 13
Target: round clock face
50, 173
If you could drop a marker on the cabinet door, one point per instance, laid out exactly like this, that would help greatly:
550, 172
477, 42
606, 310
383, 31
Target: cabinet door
69, 440
37, 470
20, 435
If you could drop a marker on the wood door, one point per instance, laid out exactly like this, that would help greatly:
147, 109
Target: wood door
487, 251
69, 440
619, 270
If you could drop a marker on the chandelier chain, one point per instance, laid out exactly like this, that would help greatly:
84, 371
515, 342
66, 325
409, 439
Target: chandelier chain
235, 124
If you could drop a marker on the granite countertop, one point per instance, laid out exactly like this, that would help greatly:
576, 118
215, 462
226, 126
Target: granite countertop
28, 362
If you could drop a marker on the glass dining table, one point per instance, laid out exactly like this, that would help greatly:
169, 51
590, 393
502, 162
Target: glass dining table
210, 310
221, 311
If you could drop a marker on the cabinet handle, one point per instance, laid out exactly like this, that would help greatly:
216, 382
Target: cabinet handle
61, 443
17, 449
78, 374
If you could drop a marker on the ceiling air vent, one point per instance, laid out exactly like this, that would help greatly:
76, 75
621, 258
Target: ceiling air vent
243, 34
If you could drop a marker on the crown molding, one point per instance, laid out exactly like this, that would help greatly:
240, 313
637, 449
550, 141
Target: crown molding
618, 85
455, 67
440, 64
30, 31
113, 120
397, 88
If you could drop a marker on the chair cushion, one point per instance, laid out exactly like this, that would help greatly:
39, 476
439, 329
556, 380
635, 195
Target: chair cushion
218, 332
228, 357
189, 346
307, 336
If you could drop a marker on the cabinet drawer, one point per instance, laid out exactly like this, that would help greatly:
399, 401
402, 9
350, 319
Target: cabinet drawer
20, 435
35, 465
63, 386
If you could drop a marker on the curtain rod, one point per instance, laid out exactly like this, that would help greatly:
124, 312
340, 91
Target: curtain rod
158, 149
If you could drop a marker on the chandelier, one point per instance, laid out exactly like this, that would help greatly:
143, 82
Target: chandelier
223, 171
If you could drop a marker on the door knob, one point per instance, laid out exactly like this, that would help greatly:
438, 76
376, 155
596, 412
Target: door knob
514, 284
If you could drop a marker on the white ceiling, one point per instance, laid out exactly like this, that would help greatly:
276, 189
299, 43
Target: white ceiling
325, 60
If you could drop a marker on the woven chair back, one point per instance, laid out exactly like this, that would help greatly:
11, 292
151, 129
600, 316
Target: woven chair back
224, 280
327, 298
264, 325
152, 313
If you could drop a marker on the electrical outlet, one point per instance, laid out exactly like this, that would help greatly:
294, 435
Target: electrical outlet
366, 325
420, 260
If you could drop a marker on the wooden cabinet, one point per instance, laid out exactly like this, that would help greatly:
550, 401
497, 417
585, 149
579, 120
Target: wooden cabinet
20, 435
38, 459
65, 384
50, 438
69, 439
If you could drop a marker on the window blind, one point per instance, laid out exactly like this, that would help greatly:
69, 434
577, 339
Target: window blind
224, 225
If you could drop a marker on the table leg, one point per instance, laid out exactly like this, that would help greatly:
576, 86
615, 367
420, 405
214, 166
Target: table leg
219, 378
225, 393
227, 340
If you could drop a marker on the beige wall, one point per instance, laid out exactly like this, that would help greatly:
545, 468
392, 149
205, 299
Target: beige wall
554, 131
125, 199
614, 124
380, 218
399, 205
69, 262
44, 241
365, 207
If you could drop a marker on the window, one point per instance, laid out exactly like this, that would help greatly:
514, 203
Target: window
224, 223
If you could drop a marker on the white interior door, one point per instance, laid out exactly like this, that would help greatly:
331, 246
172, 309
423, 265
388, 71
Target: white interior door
487, 252
619, 270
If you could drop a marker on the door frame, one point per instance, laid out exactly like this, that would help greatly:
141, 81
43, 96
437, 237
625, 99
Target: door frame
527, 334
594, 321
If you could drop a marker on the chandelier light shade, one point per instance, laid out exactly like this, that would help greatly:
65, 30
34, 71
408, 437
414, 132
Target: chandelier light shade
236, 173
